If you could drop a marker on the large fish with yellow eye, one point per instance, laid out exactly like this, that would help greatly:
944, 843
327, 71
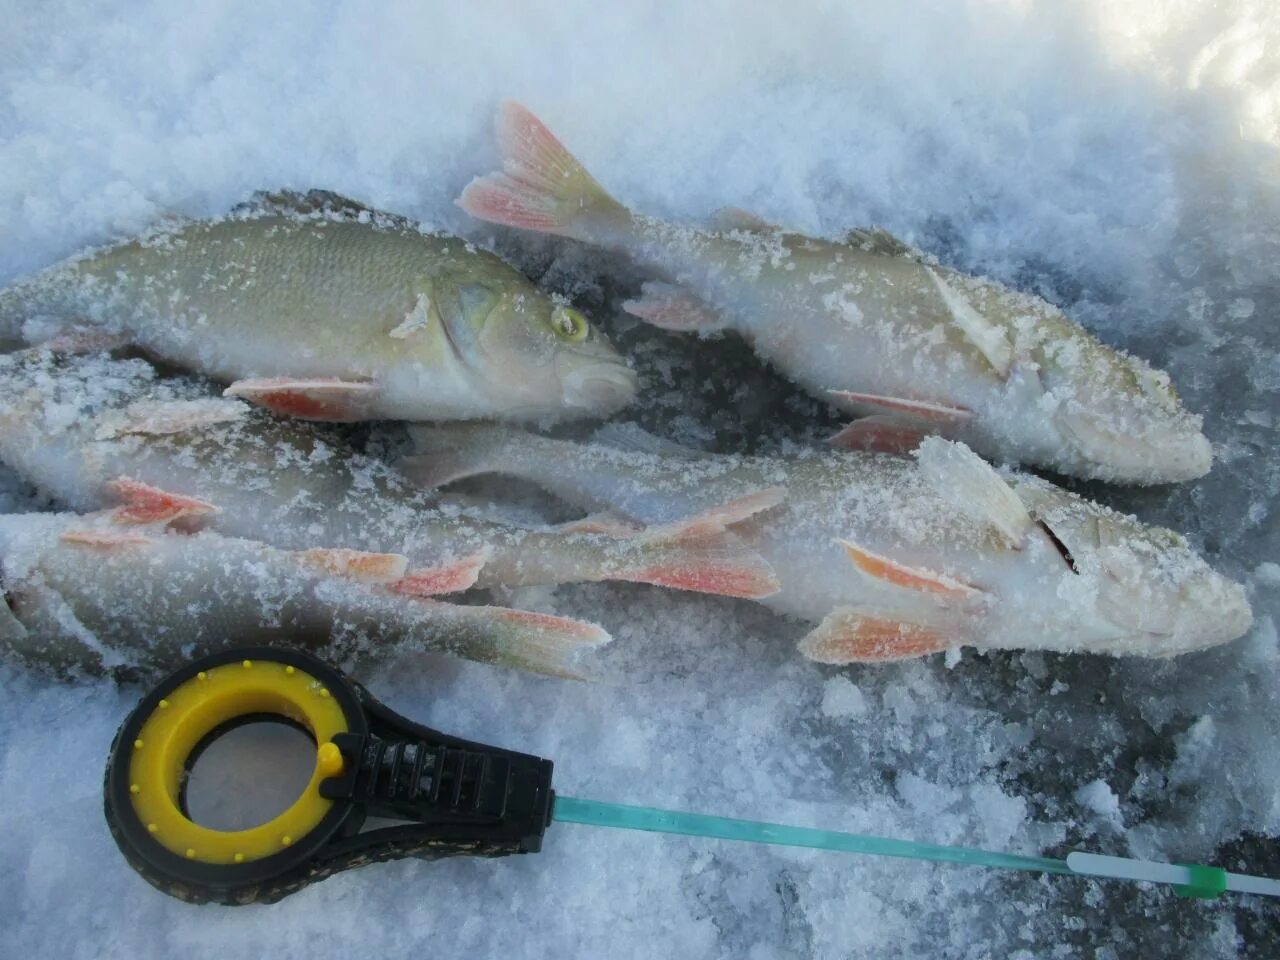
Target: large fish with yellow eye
893, 557
873, 327
316, 307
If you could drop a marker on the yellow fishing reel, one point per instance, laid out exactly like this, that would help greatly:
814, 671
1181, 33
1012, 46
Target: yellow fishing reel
445, 796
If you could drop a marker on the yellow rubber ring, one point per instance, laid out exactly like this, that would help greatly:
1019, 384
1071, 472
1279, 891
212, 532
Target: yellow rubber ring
202, 704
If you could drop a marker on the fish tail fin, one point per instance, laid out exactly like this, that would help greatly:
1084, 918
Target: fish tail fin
542, 186
447, 452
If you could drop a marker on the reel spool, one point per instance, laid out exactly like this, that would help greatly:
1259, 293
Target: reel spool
447, 796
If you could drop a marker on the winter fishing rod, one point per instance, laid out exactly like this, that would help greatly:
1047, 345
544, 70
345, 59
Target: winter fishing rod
443, 796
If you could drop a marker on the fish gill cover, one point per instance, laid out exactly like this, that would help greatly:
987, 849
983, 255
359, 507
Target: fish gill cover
1119, 160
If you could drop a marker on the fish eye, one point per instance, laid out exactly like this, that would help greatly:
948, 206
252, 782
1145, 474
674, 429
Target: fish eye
569, 324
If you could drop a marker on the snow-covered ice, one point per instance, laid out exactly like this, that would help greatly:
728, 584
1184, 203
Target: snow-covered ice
1122, 160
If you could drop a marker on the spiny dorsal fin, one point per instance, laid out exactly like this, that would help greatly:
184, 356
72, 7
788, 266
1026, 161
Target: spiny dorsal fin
882, 242
971, 485
316, 203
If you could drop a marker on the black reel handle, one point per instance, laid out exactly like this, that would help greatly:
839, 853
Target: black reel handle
449, 796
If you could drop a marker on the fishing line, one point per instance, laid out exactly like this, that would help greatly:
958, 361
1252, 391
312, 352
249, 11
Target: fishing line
433, 795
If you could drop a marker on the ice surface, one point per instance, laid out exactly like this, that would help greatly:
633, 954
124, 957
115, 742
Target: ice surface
1119, 159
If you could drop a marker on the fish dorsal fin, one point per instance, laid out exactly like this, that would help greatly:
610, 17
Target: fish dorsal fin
316, 203
634, 438
735, 218
882, 242
992, 341
971, 485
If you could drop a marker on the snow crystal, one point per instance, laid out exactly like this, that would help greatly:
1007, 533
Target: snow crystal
1118, 159
1098, 797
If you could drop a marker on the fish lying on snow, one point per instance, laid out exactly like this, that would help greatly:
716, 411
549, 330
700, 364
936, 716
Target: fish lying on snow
894, 556
872, 326
316, 307
103, 592
95, 432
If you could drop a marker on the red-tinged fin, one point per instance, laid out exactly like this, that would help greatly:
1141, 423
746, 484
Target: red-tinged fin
143, 503
451, 577
848, 636
913, 578
318, 398
605, 524
935, 413
103, 539
879, 434
714, 519
543, 187
670, 307
356, 565
722, 565
564, 630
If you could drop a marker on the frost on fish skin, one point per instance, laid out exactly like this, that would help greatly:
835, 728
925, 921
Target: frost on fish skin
314, 290
869, 315
158, 597
941, 542
71, 428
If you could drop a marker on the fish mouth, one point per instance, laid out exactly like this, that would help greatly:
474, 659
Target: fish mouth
1158, 453
603, 388
1201, 612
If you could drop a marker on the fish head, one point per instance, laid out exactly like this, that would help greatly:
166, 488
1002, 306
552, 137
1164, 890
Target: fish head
535, 356
1120, 418
1134, 588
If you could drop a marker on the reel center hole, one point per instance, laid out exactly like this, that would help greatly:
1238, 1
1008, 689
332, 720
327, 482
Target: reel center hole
248, 774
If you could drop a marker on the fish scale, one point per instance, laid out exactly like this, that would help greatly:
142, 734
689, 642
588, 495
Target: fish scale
298, 305
870, 326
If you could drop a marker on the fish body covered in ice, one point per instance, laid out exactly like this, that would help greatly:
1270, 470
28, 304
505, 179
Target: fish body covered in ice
97, 432
894, 556
872, 326
100, 592
318, 308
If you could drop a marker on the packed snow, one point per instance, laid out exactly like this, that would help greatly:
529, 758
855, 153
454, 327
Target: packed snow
1120, 160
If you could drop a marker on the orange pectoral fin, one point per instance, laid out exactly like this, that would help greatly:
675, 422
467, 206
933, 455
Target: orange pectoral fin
913, 578
451, 577
356, 565
147, 504
318, 398
879, 434
848, 636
